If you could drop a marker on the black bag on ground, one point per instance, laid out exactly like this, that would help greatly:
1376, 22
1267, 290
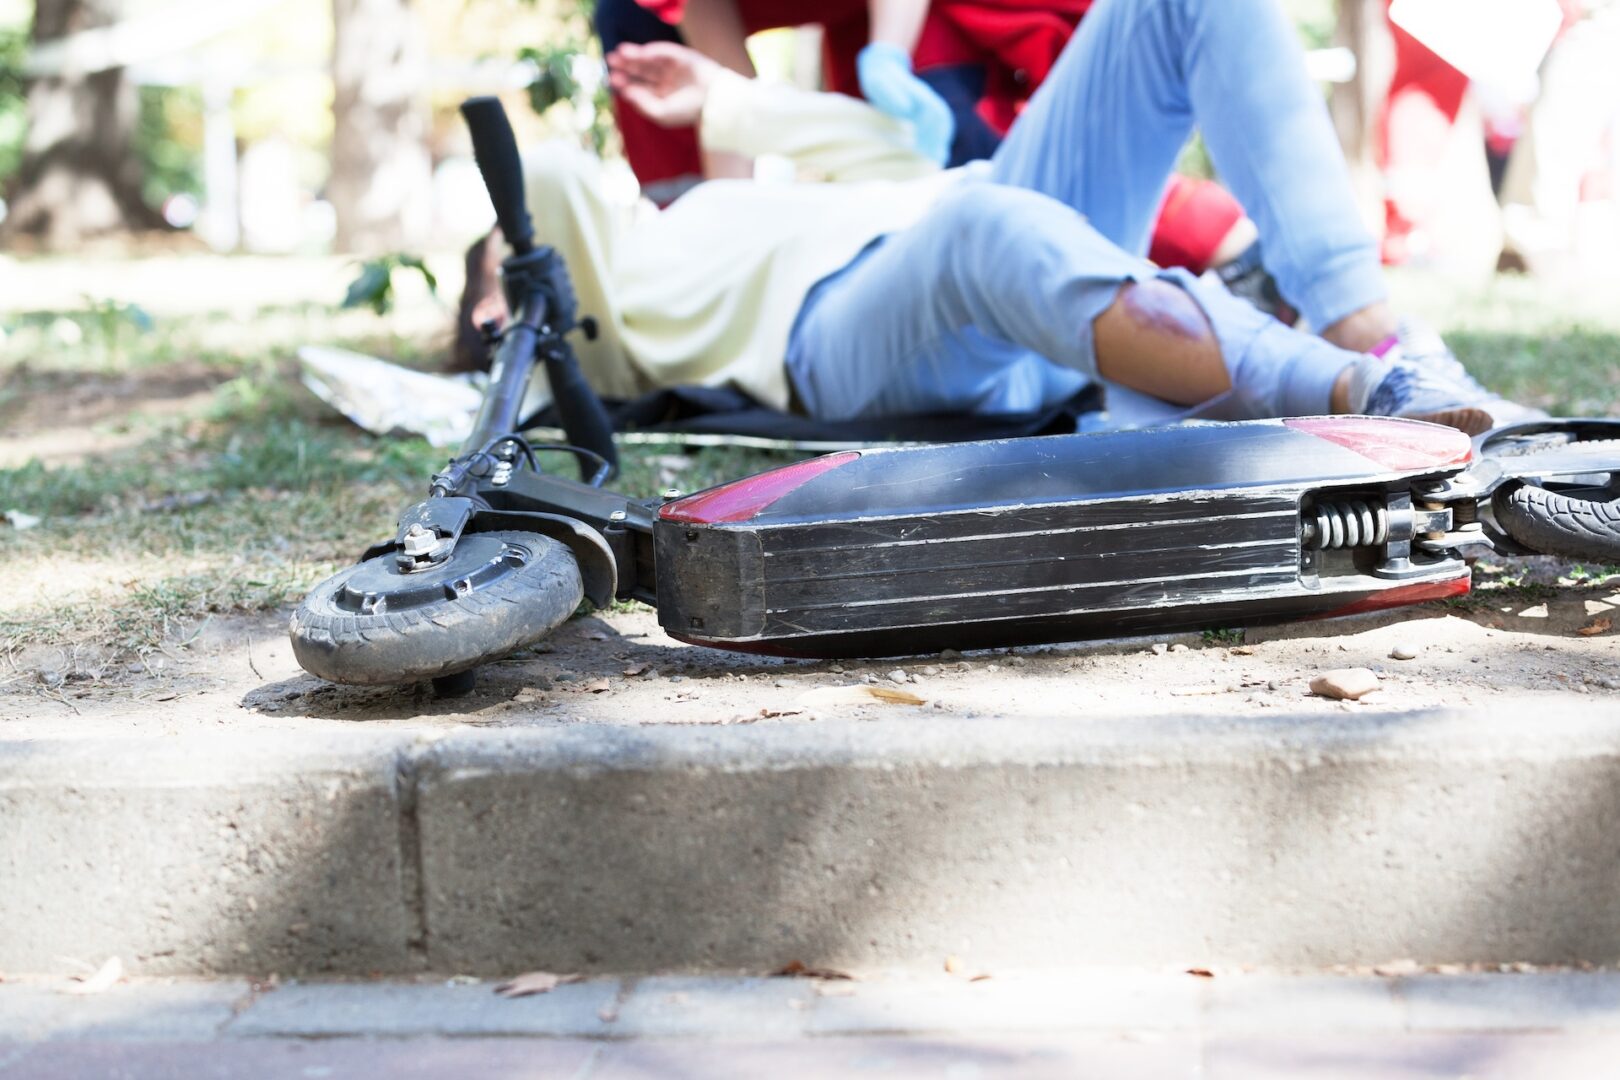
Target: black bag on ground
722, 411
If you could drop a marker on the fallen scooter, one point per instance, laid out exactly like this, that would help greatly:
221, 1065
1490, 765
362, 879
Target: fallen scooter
895, 551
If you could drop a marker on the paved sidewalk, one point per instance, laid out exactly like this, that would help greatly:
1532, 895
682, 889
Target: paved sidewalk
1092, 1023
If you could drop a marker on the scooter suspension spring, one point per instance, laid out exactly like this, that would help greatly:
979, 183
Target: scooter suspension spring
1345, 523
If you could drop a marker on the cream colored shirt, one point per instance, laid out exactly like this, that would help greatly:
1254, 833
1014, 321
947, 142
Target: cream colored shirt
706, 291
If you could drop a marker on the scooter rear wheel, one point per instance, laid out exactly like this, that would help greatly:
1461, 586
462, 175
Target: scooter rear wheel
373, 624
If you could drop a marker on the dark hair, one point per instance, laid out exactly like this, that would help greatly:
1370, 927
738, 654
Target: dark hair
483, 278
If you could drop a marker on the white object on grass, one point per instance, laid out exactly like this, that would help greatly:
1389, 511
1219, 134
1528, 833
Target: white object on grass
387, 399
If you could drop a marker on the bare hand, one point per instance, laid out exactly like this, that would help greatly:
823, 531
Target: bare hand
665, 82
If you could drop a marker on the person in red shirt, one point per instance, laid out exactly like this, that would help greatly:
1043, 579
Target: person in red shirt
981, 59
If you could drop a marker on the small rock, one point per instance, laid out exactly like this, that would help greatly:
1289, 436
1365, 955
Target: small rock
838, 669
1345, 684
677, 678
1179, 646
950, 654
897, 676
931, 670
1016, 661
565, 676
1160, 648
52, 679
868, 678
780, 684
1403, 650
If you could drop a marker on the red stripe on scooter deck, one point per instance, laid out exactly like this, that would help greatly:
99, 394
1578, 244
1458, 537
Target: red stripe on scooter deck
1391, 442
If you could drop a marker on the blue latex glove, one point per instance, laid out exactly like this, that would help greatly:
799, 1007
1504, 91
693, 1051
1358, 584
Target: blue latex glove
889, 85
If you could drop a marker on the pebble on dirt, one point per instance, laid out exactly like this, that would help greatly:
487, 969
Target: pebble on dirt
1345, 684
1403, 651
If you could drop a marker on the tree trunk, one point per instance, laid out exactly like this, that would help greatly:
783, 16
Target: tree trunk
1355, 104
381, 173
79, 177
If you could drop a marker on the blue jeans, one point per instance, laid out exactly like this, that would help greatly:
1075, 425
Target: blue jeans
986, 304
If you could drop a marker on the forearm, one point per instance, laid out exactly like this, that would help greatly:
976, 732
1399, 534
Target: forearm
715, 29
898, 22
828, 135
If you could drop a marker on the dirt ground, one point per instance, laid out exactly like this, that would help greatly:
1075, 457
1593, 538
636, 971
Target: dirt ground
619, 668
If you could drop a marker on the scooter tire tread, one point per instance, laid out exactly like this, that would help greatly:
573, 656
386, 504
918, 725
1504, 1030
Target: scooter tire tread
443, 638
1560, 525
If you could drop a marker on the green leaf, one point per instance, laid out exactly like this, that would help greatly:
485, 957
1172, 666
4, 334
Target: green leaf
374, 287
415, 262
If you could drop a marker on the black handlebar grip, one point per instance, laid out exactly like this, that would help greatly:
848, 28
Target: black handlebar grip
495, 150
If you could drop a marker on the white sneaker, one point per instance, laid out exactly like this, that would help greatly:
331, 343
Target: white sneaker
1419, 345
1381, 386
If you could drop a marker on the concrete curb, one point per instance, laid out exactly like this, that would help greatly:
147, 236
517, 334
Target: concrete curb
1029, 843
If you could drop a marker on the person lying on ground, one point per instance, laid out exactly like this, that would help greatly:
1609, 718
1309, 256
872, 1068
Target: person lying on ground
1005, 286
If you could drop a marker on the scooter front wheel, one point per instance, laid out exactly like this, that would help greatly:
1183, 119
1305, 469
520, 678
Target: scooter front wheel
372, 623
1554, 523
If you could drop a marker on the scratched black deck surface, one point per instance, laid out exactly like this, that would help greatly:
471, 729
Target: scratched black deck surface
1030, 540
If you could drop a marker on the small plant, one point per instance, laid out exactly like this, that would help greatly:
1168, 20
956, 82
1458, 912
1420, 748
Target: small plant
1224, 635
113, 326
374, 288
571, 72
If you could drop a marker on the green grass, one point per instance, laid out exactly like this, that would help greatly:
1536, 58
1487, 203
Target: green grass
1223, 635
238, 505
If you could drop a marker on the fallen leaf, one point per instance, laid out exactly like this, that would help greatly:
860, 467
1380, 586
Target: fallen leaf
600, 686
1203, 691
1202, 973
981, 977
856, 694
1241, 650
534, 982
799, 970
105, 976
1596, 626
1396, 967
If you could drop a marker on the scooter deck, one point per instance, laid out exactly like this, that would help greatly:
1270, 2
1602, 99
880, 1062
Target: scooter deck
974, 545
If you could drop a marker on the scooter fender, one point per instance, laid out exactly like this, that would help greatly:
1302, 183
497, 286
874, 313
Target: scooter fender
897, 551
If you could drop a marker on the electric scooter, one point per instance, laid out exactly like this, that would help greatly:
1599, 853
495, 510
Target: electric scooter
908, 550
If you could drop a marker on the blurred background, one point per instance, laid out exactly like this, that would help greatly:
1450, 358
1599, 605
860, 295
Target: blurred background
1479, 133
